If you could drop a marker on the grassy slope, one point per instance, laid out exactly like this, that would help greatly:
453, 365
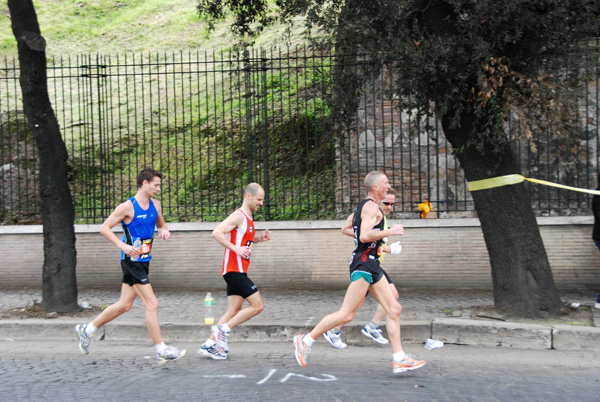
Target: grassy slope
126, 26
144, 26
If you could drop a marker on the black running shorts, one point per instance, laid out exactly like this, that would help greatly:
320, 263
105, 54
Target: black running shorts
387, 276
238, 284
135, 272
368, 269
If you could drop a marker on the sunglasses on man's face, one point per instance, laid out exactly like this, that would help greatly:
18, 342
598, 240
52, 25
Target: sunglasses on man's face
390, 204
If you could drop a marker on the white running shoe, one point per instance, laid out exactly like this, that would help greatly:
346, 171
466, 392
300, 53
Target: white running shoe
374, 334
335, 339
301, 350
406, 364
212, 351
84, 339
170, 354
221, 337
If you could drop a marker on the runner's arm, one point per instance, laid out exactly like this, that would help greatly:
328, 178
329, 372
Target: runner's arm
265, 236
161, 225
121, 212
369, 219
347, 227
220, 233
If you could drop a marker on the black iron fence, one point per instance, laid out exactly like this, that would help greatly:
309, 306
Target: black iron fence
214, 122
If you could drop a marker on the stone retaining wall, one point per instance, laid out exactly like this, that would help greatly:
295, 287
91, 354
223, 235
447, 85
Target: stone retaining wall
437, 253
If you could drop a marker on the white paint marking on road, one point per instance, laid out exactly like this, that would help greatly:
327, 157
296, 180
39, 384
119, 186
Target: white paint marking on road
267, 377
225, 376
328, 377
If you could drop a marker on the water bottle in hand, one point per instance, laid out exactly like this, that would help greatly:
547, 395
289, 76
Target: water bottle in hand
137, 244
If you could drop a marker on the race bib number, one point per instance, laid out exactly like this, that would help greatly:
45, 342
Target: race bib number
145, 248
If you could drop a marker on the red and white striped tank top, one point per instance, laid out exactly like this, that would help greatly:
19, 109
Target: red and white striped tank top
240, 236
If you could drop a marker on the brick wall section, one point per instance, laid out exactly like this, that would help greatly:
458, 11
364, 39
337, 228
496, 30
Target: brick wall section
438, 253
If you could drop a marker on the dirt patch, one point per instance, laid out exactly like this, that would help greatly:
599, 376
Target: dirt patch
582, 315
36, 311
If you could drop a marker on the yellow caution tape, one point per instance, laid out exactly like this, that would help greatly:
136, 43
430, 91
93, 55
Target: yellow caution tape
495, 182
517, 178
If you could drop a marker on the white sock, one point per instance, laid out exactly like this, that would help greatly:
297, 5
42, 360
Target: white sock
209, 343
90, 329
398, 356
308, 340
225, 328
160, 347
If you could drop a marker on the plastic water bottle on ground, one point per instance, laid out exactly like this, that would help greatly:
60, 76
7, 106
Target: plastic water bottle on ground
209, 318
431, 344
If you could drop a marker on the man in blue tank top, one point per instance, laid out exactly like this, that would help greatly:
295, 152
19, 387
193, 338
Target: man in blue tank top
366, 275
138, 216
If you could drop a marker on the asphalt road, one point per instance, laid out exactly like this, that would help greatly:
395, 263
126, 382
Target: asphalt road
267, 371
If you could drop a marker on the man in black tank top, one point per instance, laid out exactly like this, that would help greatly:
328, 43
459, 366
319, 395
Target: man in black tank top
366, 275
365, 258
371, 329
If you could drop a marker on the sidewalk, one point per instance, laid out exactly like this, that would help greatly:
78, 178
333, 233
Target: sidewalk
446, 316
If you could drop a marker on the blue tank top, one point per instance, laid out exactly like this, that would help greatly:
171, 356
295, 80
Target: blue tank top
140, 231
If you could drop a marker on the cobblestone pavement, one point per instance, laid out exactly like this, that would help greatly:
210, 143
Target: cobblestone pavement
261, 371
295, 307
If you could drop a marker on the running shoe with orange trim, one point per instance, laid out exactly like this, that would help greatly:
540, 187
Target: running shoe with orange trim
406, 364
301, 350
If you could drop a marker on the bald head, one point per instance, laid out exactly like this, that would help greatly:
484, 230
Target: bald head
373, 178
252, 189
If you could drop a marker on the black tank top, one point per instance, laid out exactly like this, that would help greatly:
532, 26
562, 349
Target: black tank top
366, 249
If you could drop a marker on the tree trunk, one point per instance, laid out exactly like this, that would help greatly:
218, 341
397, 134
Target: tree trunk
521, 274
59, 288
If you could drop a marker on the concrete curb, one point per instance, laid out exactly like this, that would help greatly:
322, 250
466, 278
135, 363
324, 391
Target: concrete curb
566, 337
484, 333
48, 329
448, 330
516, 335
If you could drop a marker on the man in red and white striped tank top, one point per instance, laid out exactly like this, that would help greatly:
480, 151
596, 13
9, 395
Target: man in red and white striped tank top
237, 234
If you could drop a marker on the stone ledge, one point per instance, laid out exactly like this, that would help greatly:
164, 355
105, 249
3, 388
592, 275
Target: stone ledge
448, 330
569, 337
483, 333
50, 329
307, 225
